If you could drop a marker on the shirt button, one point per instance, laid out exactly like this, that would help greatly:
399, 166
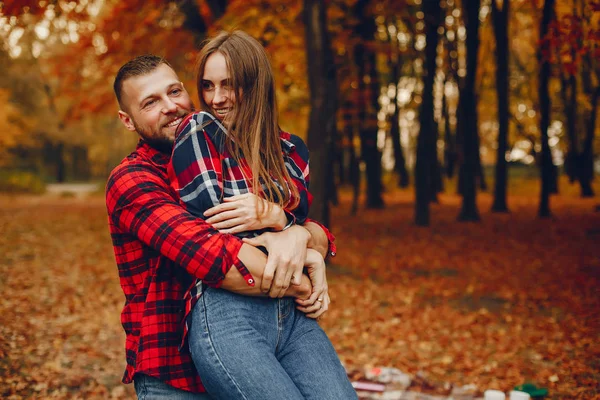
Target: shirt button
333, 254
250, 280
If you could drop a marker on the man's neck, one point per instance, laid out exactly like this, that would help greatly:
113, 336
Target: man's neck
163, 147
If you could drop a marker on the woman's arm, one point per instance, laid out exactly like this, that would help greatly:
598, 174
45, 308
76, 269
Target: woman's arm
255, 260
246, 212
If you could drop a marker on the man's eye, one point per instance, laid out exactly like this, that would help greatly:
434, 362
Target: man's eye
149, 103
176, 92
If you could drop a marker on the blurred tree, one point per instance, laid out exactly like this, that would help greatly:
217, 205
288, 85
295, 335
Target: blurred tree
574, 40
466, 120
396, 61
452, 82
469, 166
500, 17
544, 99
323, 101
426, 143
368, 102
14, 130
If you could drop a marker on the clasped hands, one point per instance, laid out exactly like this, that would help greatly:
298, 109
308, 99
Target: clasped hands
288, 255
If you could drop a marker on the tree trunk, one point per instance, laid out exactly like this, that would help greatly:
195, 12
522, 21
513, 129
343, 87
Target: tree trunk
436, 180
368, 90
61, 166
480, 173
587, 156
500, 21
544, 99
426, 139
353, 171
323, 101
399, 161
586, 170
80, 163
468, 100
450, 137
569, 98
355, 178
449, 140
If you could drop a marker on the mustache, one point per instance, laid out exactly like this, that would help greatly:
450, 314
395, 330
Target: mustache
178, 114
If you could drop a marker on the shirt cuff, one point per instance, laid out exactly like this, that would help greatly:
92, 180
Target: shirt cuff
331, 249
232, 249
291, 219
244, 271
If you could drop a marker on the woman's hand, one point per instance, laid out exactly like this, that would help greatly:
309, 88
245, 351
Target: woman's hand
286, 258
240, 213
318, 302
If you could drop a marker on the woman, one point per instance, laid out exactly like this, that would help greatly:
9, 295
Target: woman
251, 347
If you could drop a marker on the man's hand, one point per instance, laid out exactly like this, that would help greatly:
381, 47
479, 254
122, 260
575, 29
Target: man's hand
318, 302
286, 259
241, 213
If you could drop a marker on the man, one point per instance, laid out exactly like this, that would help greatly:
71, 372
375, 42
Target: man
160, 248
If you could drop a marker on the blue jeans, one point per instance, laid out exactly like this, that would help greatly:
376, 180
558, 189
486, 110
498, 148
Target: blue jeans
261, 348
150, 388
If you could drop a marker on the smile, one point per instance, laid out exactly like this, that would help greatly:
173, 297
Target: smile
222, 111
173, 123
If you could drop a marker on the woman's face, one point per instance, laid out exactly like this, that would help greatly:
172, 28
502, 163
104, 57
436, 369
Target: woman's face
217, 91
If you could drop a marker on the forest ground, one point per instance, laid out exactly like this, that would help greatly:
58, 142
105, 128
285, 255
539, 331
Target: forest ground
509, 300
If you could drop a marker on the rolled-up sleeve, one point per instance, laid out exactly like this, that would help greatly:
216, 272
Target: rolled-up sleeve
331, 247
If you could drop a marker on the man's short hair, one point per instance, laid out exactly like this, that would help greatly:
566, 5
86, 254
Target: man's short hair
140, 65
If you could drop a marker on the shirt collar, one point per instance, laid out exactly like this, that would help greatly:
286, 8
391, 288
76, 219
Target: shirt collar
155, 156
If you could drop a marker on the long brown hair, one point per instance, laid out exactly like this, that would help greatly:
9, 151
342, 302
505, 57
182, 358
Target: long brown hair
255, 125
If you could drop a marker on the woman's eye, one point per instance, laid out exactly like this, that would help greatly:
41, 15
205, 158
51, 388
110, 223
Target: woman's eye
207, 86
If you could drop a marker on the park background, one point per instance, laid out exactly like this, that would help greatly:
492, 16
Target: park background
453, 154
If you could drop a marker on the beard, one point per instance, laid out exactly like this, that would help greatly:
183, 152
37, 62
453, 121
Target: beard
164, 145
156, 138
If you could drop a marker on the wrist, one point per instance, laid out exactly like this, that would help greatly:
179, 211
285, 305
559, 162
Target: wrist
304, 232
313, 257
290, 220
301, 291
280, 219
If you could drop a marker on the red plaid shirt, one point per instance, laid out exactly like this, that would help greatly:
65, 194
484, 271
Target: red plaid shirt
160, 249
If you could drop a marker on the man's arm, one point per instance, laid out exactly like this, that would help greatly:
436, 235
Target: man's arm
139, 202
318, 238
255, 260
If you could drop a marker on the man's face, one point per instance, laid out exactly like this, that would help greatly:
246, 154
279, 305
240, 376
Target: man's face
153, 105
